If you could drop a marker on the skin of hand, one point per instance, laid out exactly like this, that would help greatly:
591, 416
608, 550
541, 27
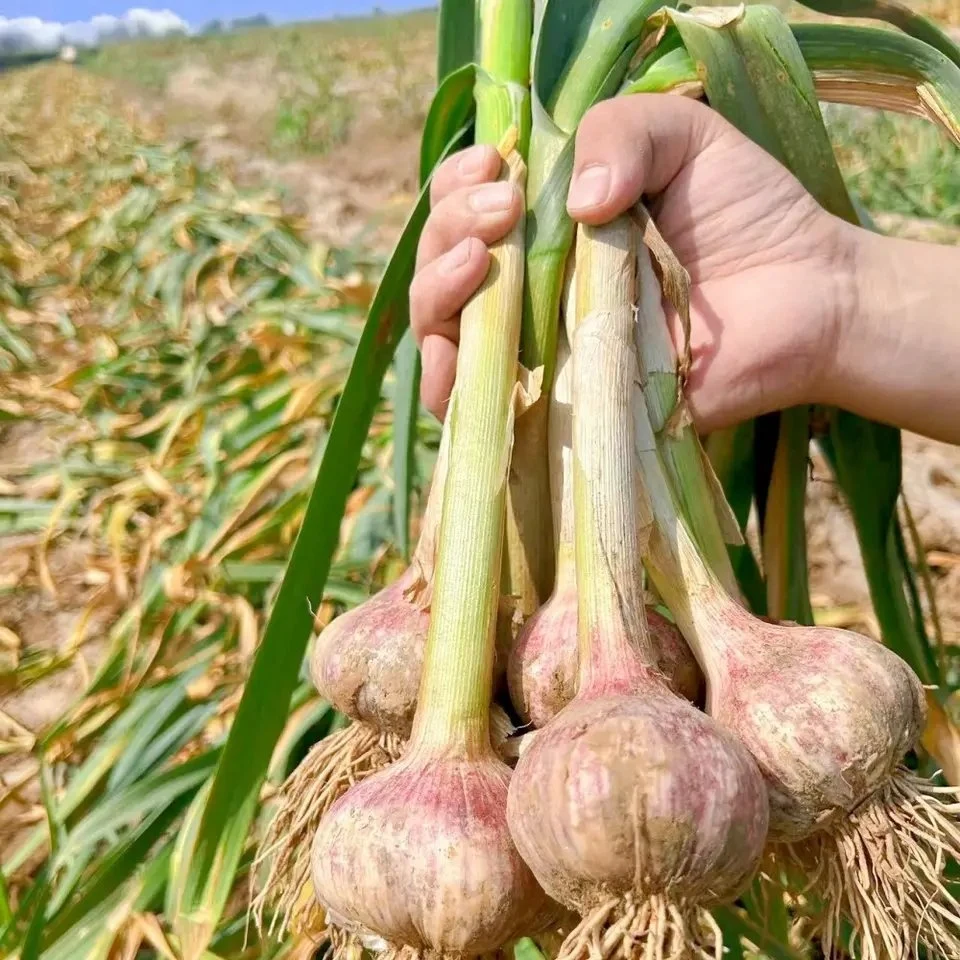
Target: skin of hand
783, 293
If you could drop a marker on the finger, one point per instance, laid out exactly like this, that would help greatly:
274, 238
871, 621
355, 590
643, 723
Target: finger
439, 369
443, 286
467, 168
487, 212
636, 145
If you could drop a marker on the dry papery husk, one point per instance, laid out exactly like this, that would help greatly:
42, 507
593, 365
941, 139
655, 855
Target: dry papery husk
632, 807
542, 666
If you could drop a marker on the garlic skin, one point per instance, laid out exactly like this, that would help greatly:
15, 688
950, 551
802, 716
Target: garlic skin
367, 661
542, 669
542, 663
420, 853
642, 793
827, 714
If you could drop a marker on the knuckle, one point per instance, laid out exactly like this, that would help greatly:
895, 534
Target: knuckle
445, 173
420, 296
424, 247
597, 118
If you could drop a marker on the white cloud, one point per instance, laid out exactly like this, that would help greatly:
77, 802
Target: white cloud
33, 35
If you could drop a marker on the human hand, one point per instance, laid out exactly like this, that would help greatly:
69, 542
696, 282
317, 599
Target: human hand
771, 271
468, 212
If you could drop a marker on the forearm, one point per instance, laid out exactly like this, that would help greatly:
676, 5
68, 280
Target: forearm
898, 352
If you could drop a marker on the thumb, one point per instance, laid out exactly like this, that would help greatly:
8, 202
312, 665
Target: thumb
635, 145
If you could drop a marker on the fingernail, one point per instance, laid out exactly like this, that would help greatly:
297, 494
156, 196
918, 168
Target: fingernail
590, 188
454, 259
491, 198
471, 160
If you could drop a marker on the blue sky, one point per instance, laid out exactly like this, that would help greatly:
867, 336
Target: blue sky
197, 12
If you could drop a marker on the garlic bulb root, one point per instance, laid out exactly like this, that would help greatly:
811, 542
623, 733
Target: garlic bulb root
330, 768
882, 867
655, 927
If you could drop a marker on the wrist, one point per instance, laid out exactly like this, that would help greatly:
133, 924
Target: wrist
856, 278
898, 338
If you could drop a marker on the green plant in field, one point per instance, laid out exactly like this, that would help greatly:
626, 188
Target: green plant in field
898, 164
310, 127
247, 450
315, 116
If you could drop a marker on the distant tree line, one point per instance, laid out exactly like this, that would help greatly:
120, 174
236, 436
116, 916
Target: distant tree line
10, 58
240, 23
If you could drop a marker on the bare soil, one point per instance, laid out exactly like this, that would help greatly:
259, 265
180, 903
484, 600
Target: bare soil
932, 490
52, 621
353, 184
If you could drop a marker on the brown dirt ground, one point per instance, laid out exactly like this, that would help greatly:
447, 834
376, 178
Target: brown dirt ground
52, 615
357, 190
932, 490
